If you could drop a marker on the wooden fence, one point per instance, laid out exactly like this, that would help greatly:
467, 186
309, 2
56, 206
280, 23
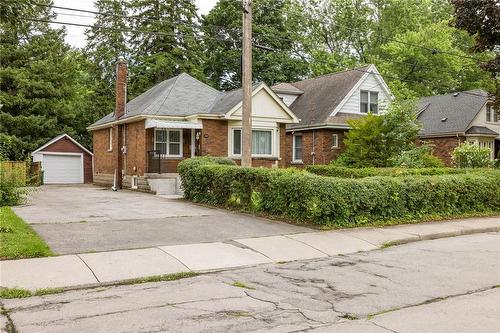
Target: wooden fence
21, 173
13, 171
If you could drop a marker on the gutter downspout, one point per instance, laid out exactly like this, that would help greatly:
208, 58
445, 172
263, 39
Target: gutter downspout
313, 153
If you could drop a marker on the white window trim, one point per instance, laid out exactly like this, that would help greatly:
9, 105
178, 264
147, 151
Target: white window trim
295, 160
369, 99
273, 142
336, 136
493, 116
110, 139
168, 142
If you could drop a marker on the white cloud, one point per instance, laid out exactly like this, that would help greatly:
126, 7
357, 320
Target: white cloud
75, 35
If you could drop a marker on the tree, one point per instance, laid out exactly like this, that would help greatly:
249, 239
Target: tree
343, 33
106, 43
39, 81
418, 69
272, 27
374, 141
481, 19
169, 44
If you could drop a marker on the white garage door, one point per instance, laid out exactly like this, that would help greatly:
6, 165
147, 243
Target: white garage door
62, 169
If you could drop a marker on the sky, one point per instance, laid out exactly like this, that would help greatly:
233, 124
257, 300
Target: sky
75, 35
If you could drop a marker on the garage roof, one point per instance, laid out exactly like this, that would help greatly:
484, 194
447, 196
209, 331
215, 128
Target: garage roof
57, 138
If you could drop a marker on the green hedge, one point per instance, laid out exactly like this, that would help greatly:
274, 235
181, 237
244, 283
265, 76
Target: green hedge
345, 172
301, 196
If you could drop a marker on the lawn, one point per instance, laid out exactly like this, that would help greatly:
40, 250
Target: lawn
17, 239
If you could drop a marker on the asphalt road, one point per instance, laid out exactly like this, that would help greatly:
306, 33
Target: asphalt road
445, 285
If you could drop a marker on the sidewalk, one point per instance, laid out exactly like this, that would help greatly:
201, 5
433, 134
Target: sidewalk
92, 269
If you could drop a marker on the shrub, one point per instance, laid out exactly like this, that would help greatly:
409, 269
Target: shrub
302, 196
468, 155
417, 157
192, 183
376, 139
344, 172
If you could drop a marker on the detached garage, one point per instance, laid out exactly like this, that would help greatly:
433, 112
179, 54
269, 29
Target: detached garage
64, 161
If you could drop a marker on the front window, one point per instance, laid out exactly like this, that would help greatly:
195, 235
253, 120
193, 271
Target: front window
297, 147
262, 142
168, 142
368, 102
488, 113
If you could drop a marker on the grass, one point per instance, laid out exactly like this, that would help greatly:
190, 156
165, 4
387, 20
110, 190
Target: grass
23, 293
241, 285
17, 239
158, 278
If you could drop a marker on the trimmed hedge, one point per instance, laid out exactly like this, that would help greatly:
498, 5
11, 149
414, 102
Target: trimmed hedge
345, 172
301, 196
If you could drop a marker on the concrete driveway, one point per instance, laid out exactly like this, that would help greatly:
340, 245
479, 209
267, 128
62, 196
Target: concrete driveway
85, 218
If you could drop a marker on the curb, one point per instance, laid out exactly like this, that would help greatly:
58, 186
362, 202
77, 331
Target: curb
443, 235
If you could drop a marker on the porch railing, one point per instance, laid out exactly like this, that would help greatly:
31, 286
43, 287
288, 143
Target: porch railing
154, 161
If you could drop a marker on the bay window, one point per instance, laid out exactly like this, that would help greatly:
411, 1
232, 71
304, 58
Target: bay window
168, 142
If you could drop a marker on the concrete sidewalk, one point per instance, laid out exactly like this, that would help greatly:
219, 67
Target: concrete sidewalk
107, 267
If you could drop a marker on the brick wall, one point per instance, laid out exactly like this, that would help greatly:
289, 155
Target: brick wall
65, 145
324, 153
443, 147
214, 138
135, 159
104, 160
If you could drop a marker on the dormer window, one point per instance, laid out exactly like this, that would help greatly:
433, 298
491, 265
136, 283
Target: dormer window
368, 101
491, 114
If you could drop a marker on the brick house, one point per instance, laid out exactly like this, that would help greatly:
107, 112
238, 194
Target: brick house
324, 105
468, 116
180, 118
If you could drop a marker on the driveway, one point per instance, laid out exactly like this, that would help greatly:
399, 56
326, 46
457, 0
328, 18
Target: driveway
85, 218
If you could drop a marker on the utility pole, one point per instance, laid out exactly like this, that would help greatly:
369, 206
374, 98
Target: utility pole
246, 84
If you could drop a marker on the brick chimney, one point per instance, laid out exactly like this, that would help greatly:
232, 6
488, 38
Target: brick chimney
121, 87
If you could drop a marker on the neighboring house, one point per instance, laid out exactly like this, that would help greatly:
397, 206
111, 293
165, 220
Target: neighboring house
181, 118
64, 161
324, 105
468, 116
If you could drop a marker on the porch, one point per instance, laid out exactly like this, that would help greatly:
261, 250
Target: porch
168, 143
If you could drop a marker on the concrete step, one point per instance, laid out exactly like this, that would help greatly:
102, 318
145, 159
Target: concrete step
166, 186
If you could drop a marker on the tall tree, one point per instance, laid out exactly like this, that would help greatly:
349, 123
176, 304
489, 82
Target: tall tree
106, 42
417, 69
165, 42
344, 33
39, 81
271, 28
481, 19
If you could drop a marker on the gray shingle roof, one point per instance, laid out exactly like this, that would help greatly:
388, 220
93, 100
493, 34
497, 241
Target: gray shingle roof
450, 113
286, 88
180, 96
322, 94
481, 130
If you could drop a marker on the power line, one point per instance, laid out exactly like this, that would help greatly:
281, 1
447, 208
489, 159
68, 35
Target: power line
310, 59
429, 49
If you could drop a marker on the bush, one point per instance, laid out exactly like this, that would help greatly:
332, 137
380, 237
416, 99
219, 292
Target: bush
417, 157
469, 155
302, 196
344, 172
